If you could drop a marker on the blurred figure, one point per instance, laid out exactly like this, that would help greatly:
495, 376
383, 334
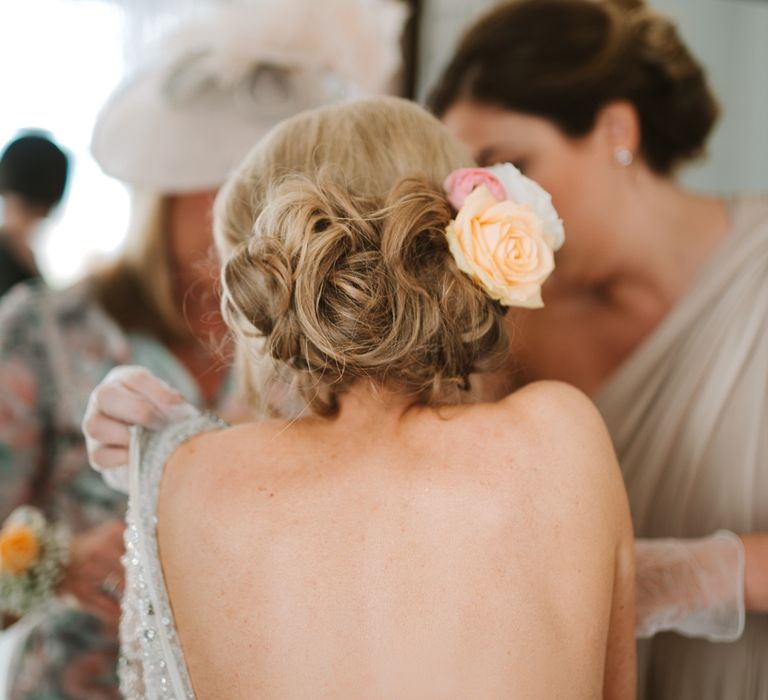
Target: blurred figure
658, 308
33, 177
172, 130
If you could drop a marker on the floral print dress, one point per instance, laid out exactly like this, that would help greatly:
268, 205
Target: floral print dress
55, 347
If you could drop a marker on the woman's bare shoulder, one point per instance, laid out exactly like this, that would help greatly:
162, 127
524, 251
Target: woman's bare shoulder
229, 439
559, 430
559, 413
546, 400
211, 464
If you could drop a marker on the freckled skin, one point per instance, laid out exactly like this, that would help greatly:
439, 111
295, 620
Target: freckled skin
394, 552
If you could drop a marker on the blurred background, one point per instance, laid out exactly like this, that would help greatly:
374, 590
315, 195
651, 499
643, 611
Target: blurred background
61, 58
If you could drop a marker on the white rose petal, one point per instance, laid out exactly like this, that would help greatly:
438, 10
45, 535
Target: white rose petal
523, 190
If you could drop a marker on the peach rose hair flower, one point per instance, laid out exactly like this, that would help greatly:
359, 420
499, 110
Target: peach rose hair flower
504, 243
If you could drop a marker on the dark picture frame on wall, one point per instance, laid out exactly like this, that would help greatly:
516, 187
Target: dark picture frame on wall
410, 48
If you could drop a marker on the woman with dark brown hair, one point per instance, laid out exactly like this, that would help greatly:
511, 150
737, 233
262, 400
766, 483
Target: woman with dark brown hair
658, 308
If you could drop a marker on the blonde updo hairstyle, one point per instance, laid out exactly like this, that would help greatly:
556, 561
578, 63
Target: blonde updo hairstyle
336, 267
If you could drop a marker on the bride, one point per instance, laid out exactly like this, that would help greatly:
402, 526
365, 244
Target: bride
396, 540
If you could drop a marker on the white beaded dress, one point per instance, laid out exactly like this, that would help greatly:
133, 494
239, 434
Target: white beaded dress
152, 663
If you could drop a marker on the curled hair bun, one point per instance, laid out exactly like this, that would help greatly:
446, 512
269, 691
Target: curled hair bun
336, 264
341, 287
259, 280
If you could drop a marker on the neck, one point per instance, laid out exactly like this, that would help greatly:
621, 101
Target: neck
662, 235
369, 403
671, 233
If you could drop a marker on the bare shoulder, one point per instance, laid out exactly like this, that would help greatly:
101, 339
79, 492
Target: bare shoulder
222, 448
545, 401
550, 415
562, 433
210, 444
208, 468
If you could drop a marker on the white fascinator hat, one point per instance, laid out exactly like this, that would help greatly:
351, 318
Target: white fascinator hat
209, 90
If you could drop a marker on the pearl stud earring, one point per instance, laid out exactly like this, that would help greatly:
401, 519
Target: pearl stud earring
623, 156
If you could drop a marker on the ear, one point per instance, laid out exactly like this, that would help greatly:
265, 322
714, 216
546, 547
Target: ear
618, 126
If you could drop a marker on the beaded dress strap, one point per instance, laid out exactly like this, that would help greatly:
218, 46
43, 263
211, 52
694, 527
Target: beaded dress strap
157, 668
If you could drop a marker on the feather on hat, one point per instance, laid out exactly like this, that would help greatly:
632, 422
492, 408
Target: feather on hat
218, 83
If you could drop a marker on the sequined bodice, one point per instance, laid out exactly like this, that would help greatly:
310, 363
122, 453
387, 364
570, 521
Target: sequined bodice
152, 664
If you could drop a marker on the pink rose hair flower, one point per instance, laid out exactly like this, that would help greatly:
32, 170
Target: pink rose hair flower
461, 183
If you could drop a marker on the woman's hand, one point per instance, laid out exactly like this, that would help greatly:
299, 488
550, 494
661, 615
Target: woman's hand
691, 586
95, 575
127, 396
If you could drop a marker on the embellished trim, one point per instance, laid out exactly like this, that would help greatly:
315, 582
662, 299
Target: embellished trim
152, 663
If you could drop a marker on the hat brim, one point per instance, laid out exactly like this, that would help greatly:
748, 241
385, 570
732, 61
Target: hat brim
188, 143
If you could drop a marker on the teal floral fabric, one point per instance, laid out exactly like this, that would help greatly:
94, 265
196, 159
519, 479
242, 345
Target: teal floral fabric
55, 347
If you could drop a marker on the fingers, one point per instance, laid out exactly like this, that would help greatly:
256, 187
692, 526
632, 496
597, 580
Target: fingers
106, 439
118, 478
106, 607
127, 396
142, 382
113, 585
135, 396
94, 575
120, 403
107, 436
106, 431
103, 458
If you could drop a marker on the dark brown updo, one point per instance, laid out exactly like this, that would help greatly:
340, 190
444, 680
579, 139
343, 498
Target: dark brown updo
563, 60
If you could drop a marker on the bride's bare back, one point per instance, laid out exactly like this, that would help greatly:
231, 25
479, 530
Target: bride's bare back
476, 552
